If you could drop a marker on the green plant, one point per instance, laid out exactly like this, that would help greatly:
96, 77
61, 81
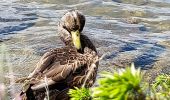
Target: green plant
121, 85
161, 87
80, 94
125, 84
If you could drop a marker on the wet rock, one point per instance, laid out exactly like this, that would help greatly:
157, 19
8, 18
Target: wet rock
132, 20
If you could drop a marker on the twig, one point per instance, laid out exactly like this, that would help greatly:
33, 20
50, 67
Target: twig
91, 68
46, 87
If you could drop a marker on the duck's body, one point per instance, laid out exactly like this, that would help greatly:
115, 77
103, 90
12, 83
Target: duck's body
63, 68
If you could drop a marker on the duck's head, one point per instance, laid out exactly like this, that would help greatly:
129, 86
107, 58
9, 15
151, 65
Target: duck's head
72, 24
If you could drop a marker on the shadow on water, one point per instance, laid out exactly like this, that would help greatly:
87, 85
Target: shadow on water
15, 20
110, 56
17, 24
144, 61
20, 18
7, 30
128, 47
118, 1
147, 59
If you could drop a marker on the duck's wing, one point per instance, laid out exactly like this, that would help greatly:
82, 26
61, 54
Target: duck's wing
59, 73
56, 73
57, 66
44, 63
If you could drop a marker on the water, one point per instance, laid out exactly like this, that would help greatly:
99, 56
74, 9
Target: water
125, 30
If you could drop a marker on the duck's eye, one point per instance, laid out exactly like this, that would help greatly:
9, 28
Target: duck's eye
64, 26
75, 27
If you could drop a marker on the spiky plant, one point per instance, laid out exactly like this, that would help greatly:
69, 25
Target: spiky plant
79, 94
121, 85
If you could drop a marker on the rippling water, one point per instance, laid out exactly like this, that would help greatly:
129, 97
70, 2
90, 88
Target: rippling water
126, 30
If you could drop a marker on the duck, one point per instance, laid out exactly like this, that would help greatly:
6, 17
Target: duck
61, 69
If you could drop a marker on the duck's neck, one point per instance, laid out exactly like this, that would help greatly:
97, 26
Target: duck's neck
81, 51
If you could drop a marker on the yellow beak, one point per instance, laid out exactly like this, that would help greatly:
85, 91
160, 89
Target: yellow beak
76, 39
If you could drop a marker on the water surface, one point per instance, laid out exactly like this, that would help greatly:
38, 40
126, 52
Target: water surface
125, 30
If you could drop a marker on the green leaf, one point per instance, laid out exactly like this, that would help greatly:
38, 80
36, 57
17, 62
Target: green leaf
118, 85
79, 94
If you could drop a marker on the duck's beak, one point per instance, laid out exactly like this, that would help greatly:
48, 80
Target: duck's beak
76, 39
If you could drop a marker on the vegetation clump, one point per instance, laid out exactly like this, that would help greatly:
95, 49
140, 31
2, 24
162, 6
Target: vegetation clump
121, 85
161, 87
125, 84
79, 94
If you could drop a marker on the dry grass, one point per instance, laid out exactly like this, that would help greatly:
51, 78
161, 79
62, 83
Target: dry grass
2, 84
7, 78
